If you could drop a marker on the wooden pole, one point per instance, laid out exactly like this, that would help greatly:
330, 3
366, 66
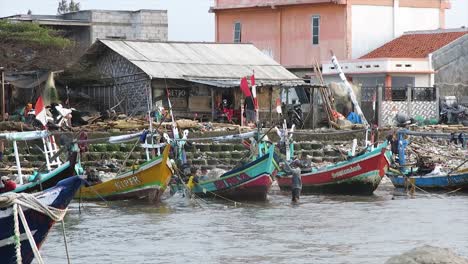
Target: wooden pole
212, 105
3, 93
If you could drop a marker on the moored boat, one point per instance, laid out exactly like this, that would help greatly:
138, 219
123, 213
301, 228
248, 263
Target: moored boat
443, 181
251, 181
359, 175
56, 169
39, 221
148, 181
426, 176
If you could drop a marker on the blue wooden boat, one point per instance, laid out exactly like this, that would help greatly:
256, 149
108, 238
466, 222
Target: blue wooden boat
440, 182
58, 197
251, 181
456, 180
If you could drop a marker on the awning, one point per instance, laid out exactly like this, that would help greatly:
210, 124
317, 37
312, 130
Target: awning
231, 83
26, 80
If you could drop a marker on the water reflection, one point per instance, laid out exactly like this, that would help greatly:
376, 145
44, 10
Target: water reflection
321, 229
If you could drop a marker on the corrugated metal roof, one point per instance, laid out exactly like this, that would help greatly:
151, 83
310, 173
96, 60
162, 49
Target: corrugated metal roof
202, 61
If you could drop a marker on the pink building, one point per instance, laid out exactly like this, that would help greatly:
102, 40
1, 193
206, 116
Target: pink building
295, 32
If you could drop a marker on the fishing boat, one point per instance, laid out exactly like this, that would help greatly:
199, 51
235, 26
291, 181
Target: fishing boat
432, 179
251, 181
55, 169
443, 181
148, 181
41, 210
359, 175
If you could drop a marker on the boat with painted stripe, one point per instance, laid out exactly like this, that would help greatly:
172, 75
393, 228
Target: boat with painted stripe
359, 175
58, 197
454, 181
41, 181
148, 181
251, 181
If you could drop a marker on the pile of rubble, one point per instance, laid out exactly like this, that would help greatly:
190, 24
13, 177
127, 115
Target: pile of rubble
441, 152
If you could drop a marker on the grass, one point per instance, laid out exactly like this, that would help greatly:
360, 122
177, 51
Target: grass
30, 32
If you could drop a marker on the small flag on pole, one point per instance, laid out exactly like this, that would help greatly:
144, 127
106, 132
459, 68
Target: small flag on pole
41, 111
254, 91
244, 86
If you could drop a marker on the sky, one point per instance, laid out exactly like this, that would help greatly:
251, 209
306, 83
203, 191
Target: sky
188, 19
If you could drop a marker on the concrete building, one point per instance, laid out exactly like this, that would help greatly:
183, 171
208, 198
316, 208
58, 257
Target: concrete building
198, 76
295, 32
88, 25
409, 60
414, 69
451, 68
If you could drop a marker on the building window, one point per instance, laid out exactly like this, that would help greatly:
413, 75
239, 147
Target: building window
237, 32
315, 29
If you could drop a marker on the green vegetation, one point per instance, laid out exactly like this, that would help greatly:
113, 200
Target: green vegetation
30, 32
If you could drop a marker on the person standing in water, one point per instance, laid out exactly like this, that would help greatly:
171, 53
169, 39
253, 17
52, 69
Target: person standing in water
296, 183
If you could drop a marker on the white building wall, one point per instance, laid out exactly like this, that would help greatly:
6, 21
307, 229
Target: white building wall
422, 80
411, 19
372, 26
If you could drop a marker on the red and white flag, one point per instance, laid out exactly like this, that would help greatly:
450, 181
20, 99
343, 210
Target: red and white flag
40, 111
254, 91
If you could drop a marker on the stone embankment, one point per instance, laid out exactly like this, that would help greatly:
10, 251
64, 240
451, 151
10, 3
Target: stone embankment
204, 155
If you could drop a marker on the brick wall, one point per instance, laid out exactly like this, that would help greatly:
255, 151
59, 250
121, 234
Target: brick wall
142, 25
131, 84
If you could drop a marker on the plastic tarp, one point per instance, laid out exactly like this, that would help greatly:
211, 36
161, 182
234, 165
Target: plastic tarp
26, 80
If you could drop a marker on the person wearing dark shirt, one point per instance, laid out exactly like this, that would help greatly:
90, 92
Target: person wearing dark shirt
7, 185
296, 184
249, 110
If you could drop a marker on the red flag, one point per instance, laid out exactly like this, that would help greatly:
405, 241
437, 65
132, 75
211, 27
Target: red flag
40, 111
244, 86
252, 80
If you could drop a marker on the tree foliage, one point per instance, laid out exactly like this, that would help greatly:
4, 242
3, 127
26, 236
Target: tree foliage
65, 7
31, 32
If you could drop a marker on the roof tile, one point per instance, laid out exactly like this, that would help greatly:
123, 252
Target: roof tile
418, 45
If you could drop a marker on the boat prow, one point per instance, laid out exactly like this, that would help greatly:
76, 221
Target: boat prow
39, 223
147, 182
251, 182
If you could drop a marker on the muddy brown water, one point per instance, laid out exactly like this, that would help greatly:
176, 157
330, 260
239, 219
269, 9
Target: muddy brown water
321, 229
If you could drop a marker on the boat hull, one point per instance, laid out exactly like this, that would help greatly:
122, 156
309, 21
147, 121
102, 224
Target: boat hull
444, 182
254, 190
358, 176
49, 180
250, 182
147, 182
39, 224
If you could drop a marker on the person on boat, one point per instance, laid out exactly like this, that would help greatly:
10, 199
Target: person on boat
92, 176
296, 183
7, 185
249, 107
193, 179
306, 163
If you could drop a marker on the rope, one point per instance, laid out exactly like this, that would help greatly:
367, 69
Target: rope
65, 240
415, 186
30, 201
19, 200
17, 235
126, 158
32, 242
